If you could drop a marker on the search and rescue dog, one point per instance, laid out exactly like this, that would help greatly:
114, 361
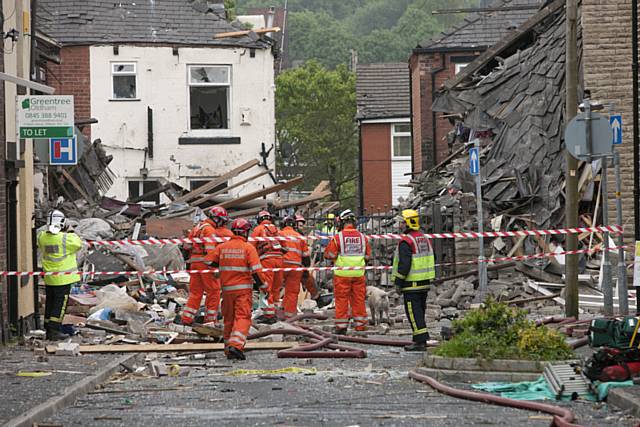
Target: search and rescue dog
378, 301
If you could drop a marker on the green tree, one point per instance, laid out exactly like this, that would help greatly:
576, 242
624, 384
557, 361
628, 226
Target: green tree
317, 35
315, 110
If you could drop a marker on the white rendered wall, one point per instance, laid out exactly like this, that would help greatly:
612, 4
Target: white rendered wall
162, 85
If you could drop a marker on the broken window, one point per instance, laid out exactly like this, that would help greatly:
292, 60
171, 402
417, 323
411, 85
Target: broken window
124, 80
209, 88
460, 67
401, 137
197, 183
139, 188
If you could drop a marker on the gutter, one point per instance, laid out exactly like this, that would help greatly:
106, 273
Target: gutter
434, 73
361, 174
449, 49
636, 125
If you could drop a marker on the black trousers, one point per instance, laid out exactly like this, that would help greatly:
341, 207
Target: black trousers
55, 305
415, 306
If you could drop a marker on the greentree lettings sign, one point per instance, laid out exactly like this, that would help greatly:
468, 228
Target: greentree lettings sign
45, 116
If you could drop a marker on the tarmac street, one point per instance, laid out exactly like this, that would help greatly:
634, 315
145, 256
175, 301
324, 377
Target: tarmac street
323, 392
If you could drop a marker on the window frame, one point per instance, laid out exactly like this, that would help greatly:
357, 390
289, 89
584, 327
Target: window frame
228, 85
459, 66
133, 73
394, 134
141, 182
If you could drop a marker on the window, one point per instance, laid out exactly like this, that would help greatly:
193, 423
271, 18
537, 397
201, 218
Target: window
123, 76
401, 137
138, 188
197, 183
460, 67
209, 88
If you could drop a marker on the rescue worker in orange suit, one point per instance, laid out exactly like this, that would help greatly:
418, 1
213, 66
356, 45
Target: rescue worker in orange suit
296, 256
349, 248
240, 274
201, 283
271, 256
308, 281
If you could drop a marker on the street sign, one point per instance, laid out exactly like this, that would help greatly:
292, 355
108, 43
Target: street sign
575, 137
616, 129
636, 267
474, 161
45, 116
63, 151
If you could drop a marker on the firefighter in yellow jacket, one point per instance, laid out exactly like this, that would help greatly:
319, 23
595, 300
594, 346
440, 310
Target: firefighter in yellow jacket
413, 272
58, 250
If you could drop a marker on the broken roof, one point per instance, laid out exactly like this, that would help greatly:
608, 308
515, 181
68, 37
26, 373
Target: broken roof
382, 91
482, 29
522, 101
188, 22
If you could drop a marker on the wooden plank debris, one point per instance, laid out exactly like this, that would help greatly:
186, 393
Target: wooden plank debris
217, 181
209, 197
246, 32
171, 348
261, 193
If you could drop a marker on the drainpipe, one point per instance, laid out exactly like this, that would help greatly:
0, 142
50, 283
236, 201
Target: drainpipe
361, 172
636, 125
434, 73
636, 128
413, 169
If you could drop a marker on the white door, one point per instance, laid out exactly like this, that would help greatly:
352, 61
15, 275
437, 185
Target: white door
400, 161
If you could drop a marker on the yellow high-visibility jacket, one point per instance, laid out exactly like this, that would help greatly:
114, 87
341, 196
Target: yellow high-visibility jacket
58, 253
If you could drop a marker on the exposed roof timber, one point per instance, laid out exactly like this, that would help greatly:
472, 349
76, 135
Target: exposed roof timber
505, 43
483, 9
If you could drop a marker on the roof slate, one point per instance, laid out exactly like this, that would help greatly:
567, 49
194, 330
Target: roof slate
382, 91
81, 22
522, 101
483, 29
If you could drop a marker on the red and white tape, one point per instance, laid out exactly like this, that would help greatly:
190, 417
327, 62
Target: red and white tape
616, 229
290, 269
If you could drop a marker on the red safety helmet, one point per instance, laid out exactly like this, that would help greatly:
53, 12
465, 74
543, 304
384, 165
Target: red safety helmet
218, 215
300, 218
289, 221
263, 215
241, 227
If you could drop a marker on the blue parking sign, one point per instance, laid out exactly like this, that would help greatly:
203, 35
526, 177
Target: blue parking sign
63, 151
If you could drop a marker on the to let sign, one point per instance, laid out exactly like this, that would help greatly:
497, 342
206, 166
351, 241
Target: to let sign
45, 116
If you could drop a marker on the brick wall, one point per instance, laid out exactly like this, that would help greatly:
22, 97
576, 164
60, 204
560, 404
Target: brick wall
607, 73
376, 165
422, 66
72, 77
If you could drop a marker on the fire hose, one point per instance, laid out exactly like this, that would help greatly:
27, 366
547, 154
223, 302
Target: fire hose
562, 417
318, 341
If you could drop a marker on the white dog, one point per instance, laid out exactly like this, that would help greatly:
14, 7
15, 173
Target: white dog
378, 304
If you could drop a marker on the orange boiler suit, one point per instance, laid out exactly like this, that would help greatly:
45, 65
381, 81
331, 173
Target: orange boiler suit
271, 257
348, 248
297, 254
240, 269
201, 283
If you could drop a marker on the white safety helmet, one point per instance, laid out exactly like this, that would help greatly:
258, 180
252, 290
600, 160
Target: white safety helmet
56, 221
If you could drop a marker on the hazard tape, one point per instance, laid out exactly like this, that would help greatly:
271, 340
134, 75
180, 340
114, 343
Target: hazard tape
298, 269
615, 229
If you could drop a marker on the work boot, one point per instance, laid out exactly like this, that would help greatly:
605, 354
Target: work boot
234, 353
340, 331
267, 320
416, 346
56, 335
